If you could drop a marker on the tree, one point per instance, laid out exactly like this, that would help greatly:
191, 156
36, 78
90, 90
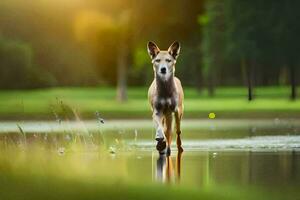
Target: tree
259, 36
16, 64
242, 36
212, 47
287, 32
109, 38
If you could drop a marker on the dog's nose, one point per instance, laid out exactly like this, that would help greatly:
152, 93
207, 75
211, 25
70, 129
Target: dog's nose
163, 70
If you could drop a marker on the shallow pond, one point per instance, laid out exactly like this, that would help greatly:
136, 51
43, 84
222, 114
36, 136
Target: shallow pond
259, 153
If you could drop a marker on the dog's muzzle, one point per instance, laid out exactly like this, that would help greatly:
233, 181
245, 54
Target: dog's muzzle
163, 70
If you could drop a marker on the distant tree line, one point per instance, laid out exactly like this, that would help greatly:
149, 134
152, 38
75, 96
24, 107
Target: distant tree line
254, 42
89, 43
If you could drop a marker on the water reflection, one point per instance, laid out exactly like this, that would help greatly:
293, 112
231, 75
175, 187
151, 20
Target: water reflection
164, 166
241, 168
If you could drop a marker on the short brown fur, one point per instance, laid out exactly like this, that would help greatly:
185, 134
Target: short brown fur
165, 95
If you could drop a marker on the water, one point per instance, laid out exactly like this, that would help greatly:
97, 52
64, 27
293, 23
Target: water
200, 169
251, 153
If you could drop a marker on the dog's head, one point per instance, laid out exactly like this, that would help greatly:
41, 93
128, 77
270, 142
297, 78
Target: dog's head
164, 61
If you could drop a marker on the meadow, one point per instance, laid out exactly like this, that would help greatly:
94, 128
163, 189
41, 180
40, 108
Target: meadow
228, 102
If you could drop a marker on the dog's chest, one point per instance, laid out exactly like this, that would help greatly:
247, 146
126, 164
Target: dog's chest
166, 104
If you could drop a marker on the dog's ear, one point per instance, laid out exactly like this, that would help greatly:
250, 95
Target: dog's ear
174, 49
153, 50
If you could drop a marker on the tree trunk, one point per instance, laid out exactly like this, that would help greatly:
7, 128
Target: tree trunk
293, 82
249, 76
122, 74
249, 84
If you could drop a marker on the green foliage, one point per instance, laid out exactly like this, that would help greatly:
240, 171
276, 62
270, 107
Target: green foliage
17, 69
231, 30
142, 72
250, 33
15, 63
141, 57
213, 34
65, 64
71, 46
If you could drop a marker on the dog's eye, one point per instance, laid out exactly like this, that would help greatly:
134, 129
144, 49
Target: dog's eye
157, 60
168, 60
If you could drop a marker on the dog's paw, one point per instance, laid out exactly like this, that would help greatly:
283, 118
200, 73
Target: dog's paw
161, 146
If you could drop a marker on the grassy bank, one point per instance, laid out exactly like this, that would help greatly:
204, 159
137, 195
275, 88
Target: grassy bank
61, 102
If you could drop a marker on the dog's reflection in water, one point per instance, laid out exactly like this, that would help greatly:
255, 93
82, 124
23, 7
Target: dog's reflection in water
165, 169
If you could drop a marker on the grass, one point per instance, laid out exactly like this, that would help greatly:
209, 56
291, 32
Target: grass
20, 188
228, 102
35, 188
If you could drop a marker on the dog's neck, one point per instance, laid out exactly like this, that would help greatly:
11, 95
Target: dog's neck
165, 88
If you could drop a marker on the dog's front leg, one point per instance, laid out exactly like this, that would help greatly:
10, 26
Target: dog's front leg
178, 116
159, 136
157, 119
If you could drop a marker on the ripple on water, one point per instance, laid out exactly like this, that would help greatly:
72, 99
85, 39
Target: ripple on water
261, 143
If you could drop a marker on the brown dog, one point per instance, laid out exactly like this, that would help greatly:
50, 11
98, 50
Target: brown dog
165, 95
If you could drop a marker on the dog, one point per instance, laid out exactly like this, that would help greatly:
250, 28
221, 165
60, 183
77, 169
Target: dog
165, 96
